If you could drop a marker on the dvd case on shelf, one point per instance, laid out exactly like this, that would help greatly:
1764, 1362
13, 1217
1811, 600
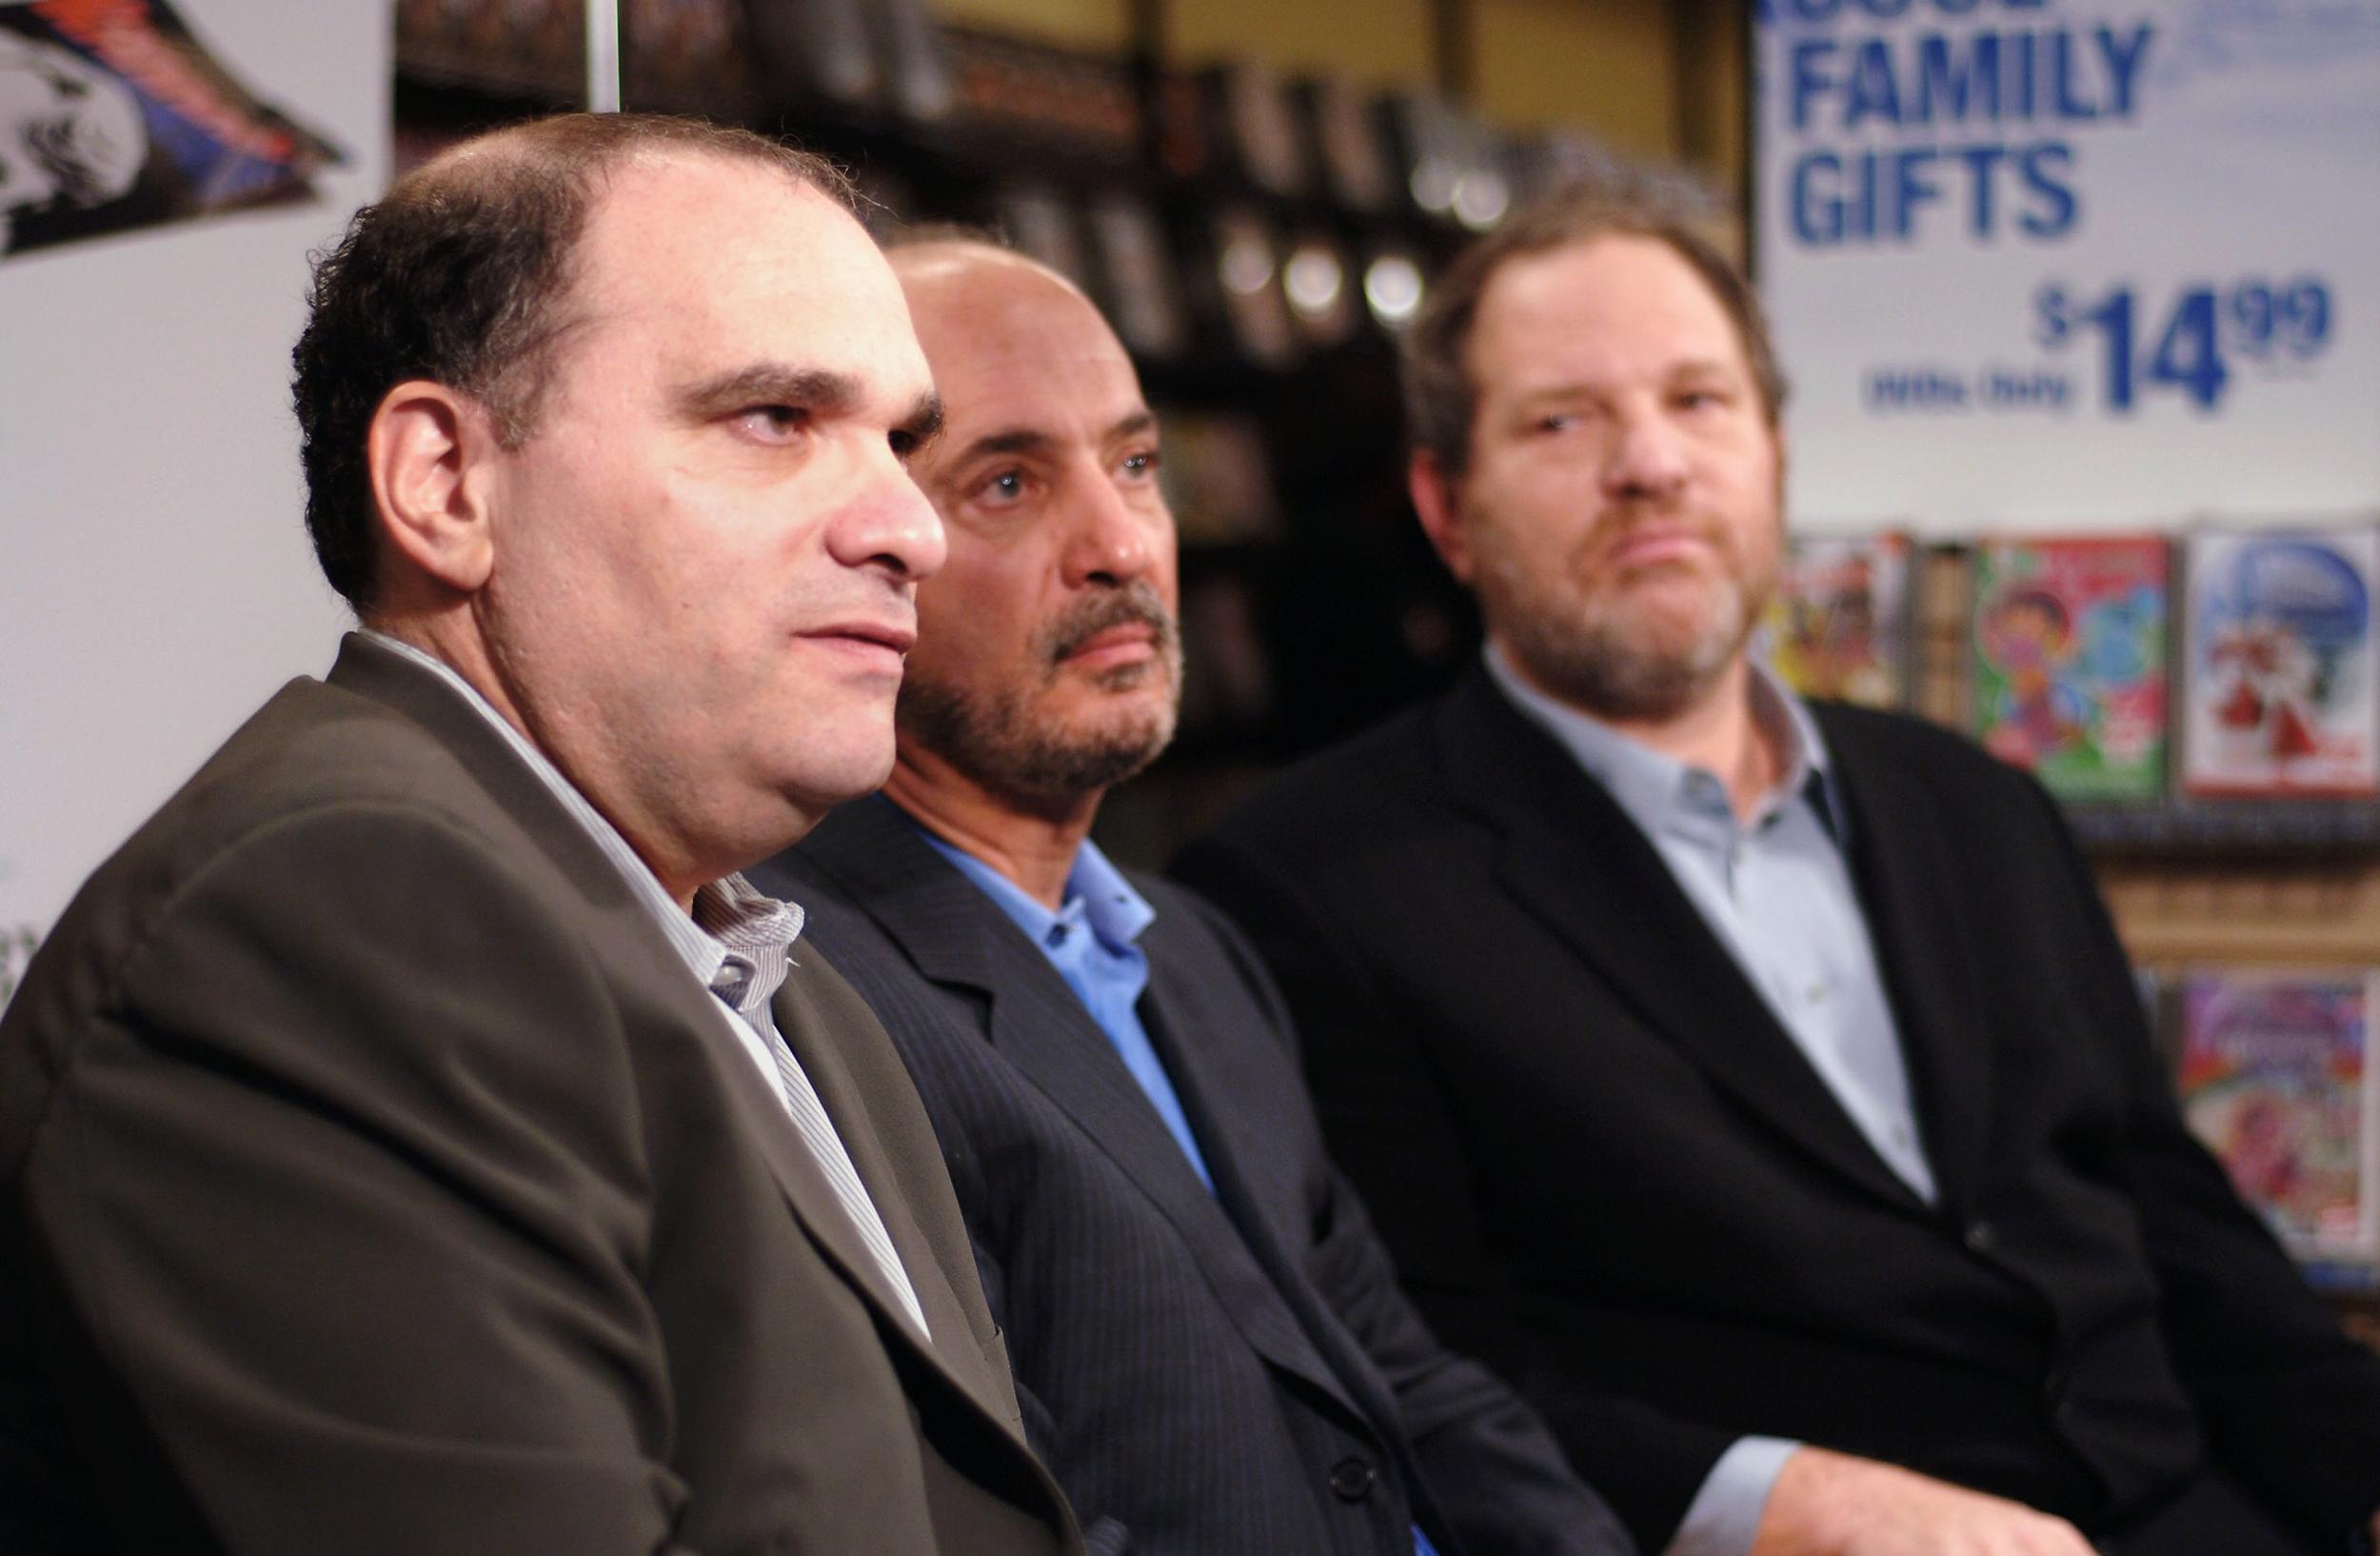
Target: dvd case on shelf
1839, 622
2069, 638
2276, 1077
2281, 690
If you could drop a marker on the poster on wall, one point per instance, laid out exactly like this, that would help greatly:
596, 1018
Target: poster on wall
1838, 624
165, 170
2046, 261
2281, 680
2069, 639
114, 115
2276, 1078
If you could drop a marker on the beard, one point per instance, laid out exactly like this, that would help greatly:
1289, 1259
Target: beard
999, 737
1638, 649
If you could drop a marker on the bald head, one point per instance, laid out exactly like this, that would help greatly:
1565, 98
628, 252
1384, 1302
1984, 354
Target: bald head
972, 287
1047, 665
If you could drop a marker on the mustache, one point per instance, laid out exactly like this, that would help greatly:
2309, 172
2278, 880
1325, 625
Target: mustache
1625, 518
1135, 605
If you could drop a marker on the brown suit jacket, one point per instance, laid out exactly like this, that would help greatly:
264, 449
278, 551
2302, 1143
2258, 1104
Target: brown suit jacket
374, 1179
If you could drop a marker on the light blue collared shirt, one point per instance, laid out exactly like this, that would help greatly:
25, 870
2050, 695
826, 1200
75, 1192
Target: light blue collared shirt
1093, 942
1777, 890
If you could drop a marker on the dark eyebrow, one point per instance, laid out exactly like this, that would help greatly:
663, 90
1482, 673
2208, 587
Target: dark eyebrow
771, 383
1026, 440
1020, 440
920, 427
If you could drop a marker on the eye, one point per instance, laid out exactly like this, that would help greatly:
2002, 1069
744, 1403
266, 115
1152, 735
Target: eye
1557, 420
1001, 489
1140, 465
772, 423
1703, 399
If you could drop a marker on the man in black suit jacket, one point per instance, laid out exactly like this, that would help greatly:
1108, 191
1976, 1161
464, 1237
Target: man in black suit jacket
1762, 1088
1210, 1350
401, 1149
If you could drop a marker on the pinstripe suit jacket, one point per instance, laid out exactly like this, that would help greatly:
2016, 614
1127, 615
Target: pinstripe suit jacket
1224, 1374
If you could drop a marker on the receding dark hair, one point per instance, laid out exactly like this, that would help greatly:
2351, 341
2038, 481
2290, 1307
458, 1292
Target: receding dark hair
1440, 399
457, 276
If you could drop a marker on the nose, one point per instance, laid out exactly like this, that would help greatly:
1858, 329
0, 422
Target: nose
1110, 541
889, 526
1648, 457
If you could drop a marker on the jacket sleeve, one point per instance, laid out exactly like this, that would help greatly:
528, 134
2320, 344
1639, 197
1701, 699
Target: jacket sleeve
1490, 1466
2290, 1404
340, 1186
1389, 1127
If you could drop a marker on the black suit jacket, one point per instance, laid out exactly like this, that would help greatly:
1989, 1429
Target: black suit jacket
374, 1178
1603, 1167
1224, 1374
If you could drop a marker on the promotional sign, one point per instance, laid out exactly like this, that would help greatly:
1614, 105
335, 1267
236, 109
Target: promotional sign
163, 170
2042, 261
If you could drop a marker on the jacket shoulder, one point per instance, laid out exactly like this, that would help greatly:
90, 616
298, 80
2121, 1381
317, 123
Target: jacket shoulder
1924, 759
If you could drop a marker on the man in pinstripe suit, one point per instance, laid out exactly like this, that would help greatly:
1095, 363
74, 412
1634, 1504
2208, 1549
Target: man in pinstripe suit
1210, 1350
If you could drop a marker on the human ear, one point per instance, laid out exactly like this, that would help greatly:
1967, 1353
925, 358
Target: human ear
1436, 502
426, 453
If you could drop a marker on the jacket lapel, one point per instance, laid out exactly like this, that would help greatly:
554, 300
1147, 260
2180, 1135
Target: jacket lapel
1288, 1319
1574, 860
956, 1348
959, 939
1897, 858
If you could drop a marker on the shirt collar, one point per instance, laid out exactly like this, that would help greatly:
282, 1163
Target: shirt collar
1097, 895
1650, 786
738, 944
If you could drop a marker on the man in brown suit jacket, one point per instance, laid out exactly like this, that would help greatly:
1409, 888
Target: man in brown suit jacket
417, 1138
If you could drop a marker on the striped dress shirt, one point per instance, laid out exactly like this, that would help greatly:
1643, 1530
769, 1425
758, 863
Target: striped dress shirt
739, 946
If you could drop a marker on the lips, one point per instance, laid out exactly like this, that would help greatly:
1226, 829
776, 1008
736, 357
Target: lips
1109, 644
885, 641
1656, 544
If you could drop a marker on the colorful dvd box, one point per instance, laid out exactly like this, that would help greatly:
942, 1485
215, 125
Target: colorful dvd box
2281, 688
1838, 624
2276, 1077
2069, 653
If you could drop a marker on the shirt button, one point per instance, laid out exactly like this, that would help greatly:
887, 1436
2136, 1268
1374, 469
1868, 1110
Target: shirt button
1982, 1237
1351, 1480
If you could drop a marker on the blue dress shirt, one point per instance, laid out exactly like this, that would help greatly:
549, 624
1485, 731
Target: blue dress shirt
1093, 942
1777, 890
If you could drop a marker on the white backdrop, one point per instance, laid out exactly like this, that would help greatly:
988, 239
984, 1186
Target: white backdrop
155, 582
1941, 184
